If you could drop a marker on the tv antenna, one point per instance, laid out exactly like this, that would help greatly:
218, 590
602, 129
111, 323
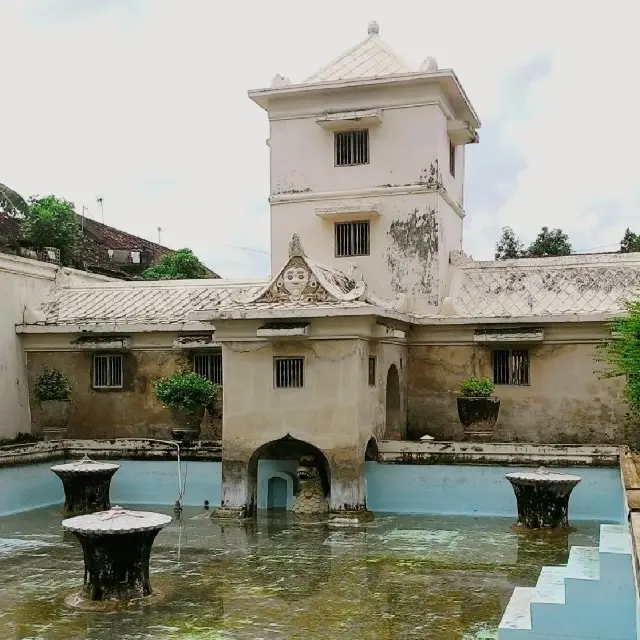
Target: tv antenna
100, 201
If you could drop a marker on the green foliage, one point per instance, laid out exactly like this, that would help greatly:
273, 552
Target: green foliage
621, 353
52, 385
509, 245
51, 222
476, 387
185, 390
550, 243
630, 242
177, 265
12, 202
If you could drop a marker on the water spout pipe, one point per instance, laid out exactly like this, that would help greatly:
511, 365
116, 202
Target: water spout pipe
181, 488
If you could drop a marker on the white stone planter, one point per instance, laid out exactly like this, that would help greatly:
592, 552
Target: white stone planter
55, 418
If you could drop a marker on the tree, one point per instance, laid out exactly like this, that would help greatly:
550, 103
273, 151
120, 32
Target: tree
12, 202
509, 245
550, 243
622, 355
51, 222
177, 265
630, 242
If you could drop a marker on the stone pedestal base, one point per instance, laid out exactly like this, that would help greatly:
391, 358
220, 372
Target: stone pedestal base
86, 485
116, 545
229, 513
117, 566
543, 498
349, 518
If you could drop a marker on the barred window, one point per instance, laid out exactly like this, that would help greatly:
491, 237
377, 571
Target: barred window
511, 366
352, 238
372, 371
107, 371
351, 148
288, 373
209, 366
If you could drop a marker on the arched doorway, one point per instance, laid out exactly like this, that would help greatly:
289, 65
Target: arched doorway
277, 493
272, 471
393, 427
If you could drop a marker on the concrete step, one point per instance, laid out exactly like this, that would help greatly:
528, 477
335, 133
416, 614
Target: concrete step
516, 621
550, 585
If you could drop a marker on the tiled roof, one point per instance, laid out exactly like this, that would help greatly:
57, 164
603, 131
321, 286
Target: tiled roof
116, 239
138, 303
370, 58
580, 285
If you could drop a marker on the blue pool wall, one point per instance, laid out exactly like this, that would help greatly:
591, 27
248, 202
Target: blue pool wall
411, 489
484, 491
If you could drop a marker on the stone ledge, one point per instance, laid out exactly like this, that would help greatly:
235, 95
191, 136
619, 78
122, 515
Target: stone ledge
113, 449
496, 453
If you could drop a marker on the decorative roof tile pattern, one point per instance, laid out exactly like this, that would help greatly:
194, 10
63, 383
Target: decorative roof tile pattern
136, 304
369, 59
548, 286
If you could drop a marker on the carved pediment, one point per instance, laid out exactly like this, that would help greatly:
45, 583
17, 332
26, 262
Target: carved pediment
296, 283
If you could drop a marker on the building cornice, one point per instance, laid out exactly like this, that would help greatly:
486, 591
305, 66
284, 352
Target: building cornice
371, 192
443, 77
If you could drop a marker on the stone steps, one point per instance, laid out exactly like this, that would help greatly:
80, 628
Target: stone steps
593, 596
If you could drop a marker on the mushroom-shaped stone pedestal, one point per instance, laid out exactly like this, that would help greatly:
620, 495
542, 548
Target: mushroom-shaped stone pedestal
543, 498
86, 485
117, 547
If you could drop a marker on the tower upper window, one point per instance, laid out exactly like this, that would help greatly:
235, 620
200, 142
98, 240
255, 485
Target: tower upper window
352, 238
351, 148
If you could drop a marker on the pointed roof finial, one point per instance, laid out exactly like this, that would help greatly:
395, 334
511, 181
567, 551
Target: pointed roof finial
295, 247
373, 28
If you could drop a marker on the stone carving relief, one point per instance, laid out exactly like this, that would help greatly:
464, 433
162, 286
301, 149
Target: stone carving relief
296, 284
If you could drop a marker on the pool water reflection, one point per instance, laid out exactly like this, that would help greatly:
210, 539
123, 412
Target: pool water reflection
277, 577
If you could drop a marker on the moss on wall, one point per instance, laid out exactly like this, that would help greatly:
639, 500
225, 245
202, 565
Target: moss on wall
565, 402
132, 411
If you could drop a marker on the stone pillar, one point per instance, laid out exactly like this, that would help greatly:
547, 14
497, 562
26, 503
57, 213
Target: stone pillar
348, 494
238, 491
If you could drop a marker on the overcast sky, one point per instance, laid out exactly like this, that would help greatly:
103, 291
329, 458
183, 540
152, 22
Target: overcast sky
144, 102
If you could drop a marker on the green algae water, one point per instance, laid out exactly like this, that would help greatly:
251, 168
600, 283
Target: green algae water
278, 577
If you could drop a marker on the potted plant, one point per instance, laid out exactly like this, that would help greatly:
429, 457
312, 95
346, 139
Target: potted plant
186, 395
477, 410
52, 391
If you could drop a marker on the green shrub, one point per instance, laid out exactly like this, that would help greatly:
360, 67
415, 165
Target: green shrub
185, 390
476, 387
52, 385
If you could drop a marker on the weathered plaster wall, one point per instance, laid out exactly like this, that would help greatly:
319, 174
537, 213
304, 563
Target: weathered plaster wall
408, 241
566, 402
409, 155
24, 284
373, 400
118, 413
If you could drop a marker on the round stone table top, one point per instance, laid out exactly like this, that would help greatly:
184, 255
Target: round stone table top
86, 465
542, 476
117, 521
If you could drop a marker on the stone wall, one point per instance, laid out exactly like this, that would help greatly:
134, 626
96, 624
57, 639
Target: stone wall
565, 402
24, 284
132, 411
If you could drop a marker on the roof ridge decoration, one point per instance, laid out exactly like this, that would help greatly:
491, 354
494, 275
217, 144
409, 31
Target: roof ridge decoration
372, 57
303, 280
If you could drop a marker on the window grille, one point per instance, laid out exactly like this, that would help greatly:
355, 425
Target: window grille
452, 159
351, 148
209, 366
107, 372
372, 371
288, 373
352, 239
511, 367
